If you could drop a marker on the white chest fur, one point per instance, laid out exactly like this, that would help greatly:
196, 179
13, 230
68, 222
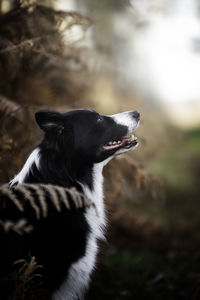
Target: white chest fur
79, 274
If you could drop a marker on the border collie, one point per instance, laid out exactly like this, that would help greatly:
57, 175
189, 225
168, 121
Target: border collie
76, 147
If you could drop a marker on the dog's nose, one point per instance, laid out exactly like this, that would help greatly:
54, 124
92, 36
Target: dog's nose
136, 114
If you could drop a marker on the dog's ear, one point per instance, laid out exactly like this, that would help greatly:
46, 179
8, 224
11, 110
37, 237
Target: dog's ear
48, 120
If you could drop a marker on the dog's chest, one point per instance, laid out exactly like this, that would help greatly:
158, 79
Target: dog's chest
80, 271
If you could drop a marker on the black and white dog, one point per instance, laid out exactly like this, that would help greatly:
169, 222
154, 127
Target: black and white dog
76, 147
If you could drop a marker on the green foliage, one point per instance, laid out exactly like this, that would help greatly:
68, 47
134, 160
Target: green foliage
192, 138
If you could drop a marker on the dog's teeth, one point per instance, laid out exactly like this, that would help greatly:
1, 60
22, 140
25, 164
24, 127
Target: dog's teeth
132, 137
114, 143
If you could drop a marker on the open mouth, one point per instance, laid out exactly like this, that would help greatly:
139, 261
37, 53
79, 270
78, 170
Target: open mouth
125, 143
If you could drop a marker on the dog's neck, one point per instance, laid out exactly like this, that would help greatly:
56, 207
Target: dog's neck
96, 193
90, 180
41, 169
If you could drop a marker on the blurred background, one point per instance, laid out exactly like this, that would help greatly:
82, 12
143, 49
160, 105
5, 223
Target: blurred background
113, 56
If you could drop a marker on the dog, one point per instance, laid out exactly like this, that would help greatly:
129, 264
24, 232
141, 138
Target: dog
76, 146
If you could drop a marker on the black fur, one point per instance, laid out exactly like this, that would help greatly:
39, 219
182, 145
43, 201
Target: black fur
73, 142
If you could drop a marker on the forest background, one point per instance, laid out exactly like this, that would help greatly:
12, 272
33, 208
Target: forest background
114, 56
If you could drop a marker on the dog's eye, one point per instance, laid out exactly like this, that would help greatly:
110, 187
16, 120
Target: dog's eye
99, 118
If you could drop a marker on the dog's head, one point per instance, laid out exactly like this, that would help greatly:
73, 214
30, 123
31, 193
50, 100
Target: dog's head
88, 136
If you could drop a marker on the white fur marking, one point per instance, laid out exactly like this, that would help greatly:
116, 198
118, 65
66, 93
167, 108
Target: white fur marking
126, 119
34, 157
